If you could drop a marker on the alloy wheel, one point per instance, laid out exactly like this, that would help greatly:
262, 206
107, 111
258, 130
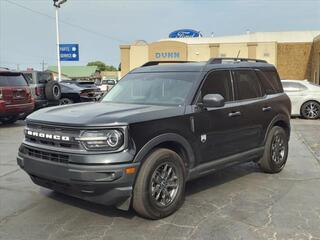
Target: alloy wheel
164, 185
311, 110
278, 149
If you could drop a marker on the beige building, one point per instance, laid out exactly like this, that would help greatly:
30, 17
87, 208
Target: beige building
296, 54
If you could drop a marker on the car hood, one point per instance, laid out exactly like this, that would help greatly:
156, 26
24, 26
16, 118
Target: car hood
101, 114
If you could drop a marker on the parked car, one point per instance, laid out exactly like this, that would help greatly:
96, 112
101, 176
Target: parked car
15, 96
45, 90
106, 84
304, 96
75, 91
158, 128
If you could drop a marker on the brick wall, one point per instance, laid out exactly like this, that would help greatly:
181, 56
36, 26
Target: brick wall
315, 62
294, 60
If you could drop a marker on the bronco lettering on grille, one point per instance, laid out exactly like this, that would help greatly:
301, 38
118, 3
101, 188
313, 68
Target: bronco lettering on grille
47, 136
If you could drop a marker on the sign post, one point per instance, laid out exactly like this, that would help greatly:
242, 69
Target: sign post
58, 43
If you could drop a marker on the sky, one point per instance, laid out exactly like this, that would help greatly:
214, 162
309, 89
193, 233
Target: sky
28, 33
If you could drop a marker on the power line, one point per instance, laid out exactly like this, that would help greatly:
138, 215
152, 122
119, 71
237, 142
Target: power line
67, 23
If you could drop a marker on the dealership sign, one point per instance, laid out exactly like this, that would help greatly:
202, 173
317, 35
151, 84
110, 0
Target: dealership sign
167, 55
185, 33
69, 52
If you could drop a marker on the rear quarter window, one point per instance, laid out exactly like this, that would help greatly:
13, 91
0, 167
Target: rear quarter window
10, 79
270, 81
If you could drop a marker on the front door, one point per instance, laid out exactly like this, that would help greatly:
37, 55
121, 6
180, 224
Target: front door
218, 130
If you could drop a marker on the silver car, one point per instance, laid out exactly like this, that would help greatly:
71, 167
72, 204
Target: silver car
304, 96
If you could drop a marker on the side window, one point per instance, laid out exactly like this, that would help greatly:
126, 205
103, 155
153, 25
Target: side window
247, 85
270, 81
293, 87
218, 82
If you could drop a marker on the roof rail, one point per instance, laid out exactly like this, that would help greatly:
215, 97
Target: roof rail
220, 60
4, 68
152, 63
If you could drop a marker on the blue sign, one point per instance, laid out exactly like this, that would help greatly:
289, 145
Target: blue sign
69, 52
185, 33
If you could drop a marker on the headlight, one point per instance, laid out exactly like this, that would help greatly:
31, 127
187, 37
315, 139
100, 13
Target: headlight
104, 140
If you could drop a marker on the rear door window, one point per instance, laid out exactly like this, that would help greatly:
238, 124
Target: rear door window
44, 76
9, 79
247, 85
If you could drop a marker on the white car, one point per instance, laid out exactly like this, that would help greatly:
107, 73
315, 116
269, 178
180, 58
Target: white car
107, 84
304, 96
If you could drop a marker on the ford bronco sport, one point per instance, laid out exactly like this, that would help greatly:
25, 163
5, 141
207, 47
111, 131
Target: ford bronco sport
159, 127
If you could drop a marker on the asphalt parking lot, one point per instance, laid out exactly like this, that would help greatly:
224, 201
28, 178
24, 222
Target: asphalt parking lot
236, 203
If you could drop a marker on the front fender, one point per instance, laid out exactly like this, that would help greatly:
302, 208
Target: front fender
163, 138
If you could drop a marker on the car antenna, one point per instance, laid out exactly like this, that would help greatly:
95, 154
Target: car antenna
238, 54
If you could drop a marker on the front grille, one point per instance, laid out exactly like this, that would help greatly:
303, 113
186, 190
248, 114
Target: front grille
54, 157
71, 133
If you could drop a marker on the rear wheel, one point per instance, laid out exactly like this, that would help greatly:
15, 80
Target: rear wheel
310, 110
275, 152
9, 120
159, 188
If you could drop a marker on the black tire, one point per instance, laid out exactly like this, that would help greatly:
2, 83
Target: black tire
144, 203
9, 119
310, 110
275, 152
65, 101
53, 91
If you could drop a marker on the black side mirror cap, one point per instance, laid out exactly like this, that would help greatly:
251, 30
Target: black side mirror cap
213, 100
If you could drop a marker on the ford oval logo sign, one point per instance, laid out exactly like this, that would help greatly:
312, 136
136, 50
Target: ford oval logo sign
185, 33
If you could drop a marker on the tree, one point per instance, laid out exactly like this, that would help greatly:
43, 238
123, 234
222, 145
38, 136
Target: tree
102, 66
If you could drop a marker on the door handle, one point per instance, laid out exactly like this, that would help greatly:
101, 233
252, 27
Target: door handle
234, 114
266, 109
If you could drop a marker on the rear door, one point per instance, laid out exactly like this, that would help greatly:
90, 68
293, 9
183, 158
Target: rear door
248, 96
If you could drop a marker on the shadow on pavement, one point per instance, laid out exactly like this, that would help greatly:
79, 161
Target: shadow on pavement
19, 123
193, 187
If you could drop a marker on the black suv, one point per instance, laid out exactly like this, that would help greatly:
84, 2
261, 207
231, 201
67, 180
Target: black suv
159, 127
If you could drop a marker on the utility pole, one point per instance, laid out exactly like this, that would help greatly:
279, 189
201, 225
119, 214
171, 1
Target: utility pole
57, 4
43, 64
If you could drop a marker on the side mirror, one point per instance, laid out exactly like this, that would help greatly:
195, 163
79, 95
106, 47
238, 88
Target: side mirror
213, 100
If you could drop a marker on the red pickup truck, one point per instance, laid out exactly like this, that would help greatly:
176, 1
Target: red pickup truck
16, 100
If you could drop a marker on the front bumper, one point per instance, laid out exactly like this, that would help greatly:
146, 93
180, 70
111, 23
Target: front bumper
41, 103
106, 184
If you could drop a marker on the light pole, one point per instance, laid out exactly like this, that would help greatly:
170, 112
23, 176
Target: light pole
57, 4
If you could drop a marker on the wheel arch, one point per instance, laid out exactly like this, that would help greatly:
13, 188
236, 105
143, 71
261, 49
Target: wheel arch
172, 141
280, 121
306, 101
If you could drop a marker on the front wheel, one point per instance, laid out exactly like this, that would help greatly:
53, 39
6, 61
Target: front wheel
275, 152
160, 185
65, 101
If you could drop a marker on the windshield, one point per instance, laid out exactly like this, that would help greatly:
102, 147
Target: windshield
170, 88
